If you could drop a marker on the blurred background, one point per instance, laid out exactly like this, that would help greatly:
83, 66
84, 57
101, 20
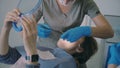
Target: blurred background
109, 8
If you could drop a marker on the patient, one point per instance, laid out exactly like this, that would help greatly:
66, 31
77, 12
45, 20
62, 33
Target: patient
81, 52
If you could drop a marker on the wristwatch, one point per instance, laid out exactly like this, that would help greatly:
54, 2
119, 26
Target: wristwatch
32, 58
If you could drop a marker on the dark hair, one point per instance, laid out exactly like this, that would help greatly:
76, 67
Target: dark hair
90, 48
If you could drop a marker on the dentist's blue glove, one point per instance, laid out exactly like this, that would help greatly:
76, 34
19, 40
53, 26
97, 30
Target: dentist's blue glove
44, 30
114, 54
76, 33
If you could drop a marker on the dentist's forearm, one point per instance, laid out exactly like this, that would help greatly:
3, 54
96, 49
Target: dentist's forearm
102, 32
4, 37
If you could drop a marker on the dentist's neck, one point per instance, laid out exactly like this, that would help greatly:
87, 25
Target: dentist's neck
65, 2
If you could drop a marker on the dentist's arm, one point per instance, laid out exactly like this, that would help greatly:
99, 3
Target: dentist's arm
103, 29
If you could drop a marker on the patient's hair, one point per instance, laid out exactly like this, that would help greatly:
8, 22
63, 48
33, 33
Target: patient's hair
90, 48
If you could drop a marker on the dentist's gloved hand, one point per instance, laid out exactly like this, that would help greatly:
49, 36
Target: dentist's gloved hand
44, 30
76, 33
114, 54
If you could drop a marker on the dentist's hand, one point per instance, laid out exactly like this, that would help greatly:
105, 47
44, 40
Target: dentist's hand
29, 35
76, 33
44, 30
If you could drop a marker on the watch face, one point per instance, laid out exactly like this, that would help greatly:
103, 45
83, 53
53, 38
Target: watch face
32, 58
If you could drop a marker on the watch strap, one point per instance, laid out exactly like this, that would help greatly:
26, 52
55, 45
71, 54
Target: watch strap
32, 66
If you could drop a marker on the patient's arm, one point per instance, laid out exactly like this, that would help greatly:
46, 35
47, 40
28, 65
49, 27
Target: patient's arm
4, 46
11, 57
8, 55
4, 34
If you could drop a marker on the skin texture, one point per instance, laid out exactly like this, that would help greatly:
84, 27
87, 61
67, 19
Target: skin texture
103, 29
29, 36
63, 8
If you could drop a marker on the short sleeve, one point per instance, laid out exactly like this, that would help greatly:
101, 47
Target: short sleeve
91, 8
38, 13
11, 57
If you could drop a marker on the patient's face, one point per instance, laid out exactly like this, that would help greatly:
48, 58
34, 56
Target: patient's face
71, 47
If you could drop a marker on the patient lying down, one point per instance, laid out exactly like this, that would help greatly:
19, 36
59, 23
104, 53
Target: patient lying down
81, 51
